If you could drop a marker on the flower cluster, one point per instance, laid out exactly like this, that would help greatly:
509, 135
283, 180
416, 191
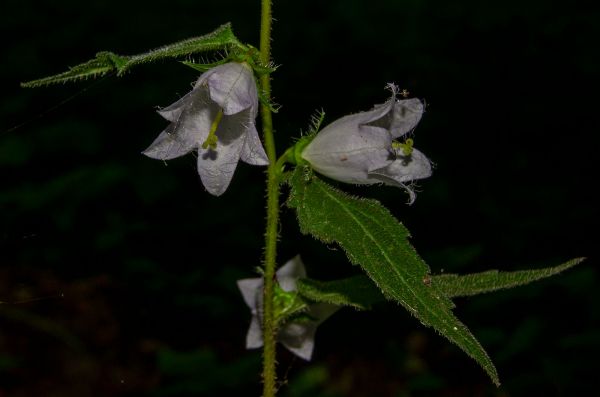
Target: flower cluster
298, 336
362, 149
217, 119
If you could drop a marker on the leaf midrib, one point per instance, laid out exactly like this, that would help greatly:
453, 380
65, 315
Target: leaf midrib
488, 365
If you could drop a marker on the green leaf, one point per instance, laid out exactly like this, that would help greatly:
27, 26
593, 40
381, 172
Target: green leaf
98, 67
222, 38
361, 293
107, 62
375, 240
453, 285
357, 291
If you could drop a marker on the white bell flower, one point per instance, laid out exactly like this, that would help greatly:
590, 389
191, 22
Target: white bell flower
217, 119
361, 148
297, 336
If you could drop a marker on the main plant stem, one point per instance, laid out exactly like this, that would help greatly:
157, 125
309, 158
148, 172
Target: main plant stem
269, 326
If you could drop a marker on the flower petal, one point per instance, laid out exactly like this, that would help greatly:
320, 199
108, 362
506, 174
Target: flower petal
232, 87
254, 337
404, 169
299, 338
381, 115
322, 311
405, 117
290, 272
407, 168
187, 132
253, 152
250, 288
168, 146
391, 182
346, 150
173, 111
216, 166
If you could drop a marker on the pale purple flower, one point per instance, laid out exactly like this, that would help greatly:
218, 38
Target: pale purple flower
361, 148
217, 119
296, 336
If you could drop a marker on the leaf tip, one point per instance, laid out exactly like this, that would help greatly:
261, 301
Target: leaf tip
577, 261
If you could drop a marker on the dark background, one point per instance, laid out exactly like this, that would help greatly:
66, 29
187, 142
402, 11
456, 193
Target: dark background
117, 272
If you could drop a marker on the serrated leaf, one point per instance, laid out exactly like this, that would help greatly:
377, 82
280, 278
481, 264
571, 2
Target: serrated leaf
454, 285
222, 38
361, 293
94, 68
375, 240
357, 291
106, 62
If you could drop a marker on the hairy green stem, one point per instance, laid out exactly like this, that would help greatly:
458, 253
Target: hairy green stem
269, 325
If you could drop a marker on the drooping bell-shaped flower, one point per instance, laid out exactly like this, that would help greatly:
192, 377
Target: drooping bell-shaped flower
362, 148
217, 119
297, 335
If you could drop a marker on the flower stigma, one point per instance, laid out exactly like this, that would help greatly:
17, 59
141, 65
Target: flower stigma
211, 139
406, 147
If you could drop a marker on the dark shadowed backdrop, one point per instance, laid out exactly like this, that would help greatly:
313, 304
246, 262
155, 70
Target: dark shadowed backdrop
117, 272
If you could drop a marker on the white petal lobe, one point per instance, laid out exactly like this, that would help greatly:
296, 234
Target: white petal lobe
224, 98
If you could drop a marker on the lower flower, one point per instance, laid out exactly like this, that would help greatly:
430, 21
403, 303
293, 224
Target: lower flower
297, 333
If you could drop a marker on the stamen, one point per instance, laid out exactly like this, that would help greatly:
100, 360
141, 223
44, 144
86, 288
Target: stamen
406, 147
211, 139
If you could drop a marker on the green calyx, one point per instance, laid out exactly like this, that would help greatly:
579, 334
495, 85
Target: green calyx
203, 67
250, 55
247, 55
287, 304
293, 155
298, 148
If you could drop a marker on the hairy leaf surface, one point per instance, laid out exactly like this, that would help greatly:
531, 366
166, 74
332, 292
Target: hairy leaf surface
361, 293
453, 285
375, 240
107, 62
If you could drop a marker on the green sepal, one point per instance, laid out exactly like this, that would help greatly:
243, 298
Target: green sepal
298, 148
251, 55
261, 70
302, 318
287, 304
274, 108
295, 156
107, 62
360, 292
203, 67
372, 238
